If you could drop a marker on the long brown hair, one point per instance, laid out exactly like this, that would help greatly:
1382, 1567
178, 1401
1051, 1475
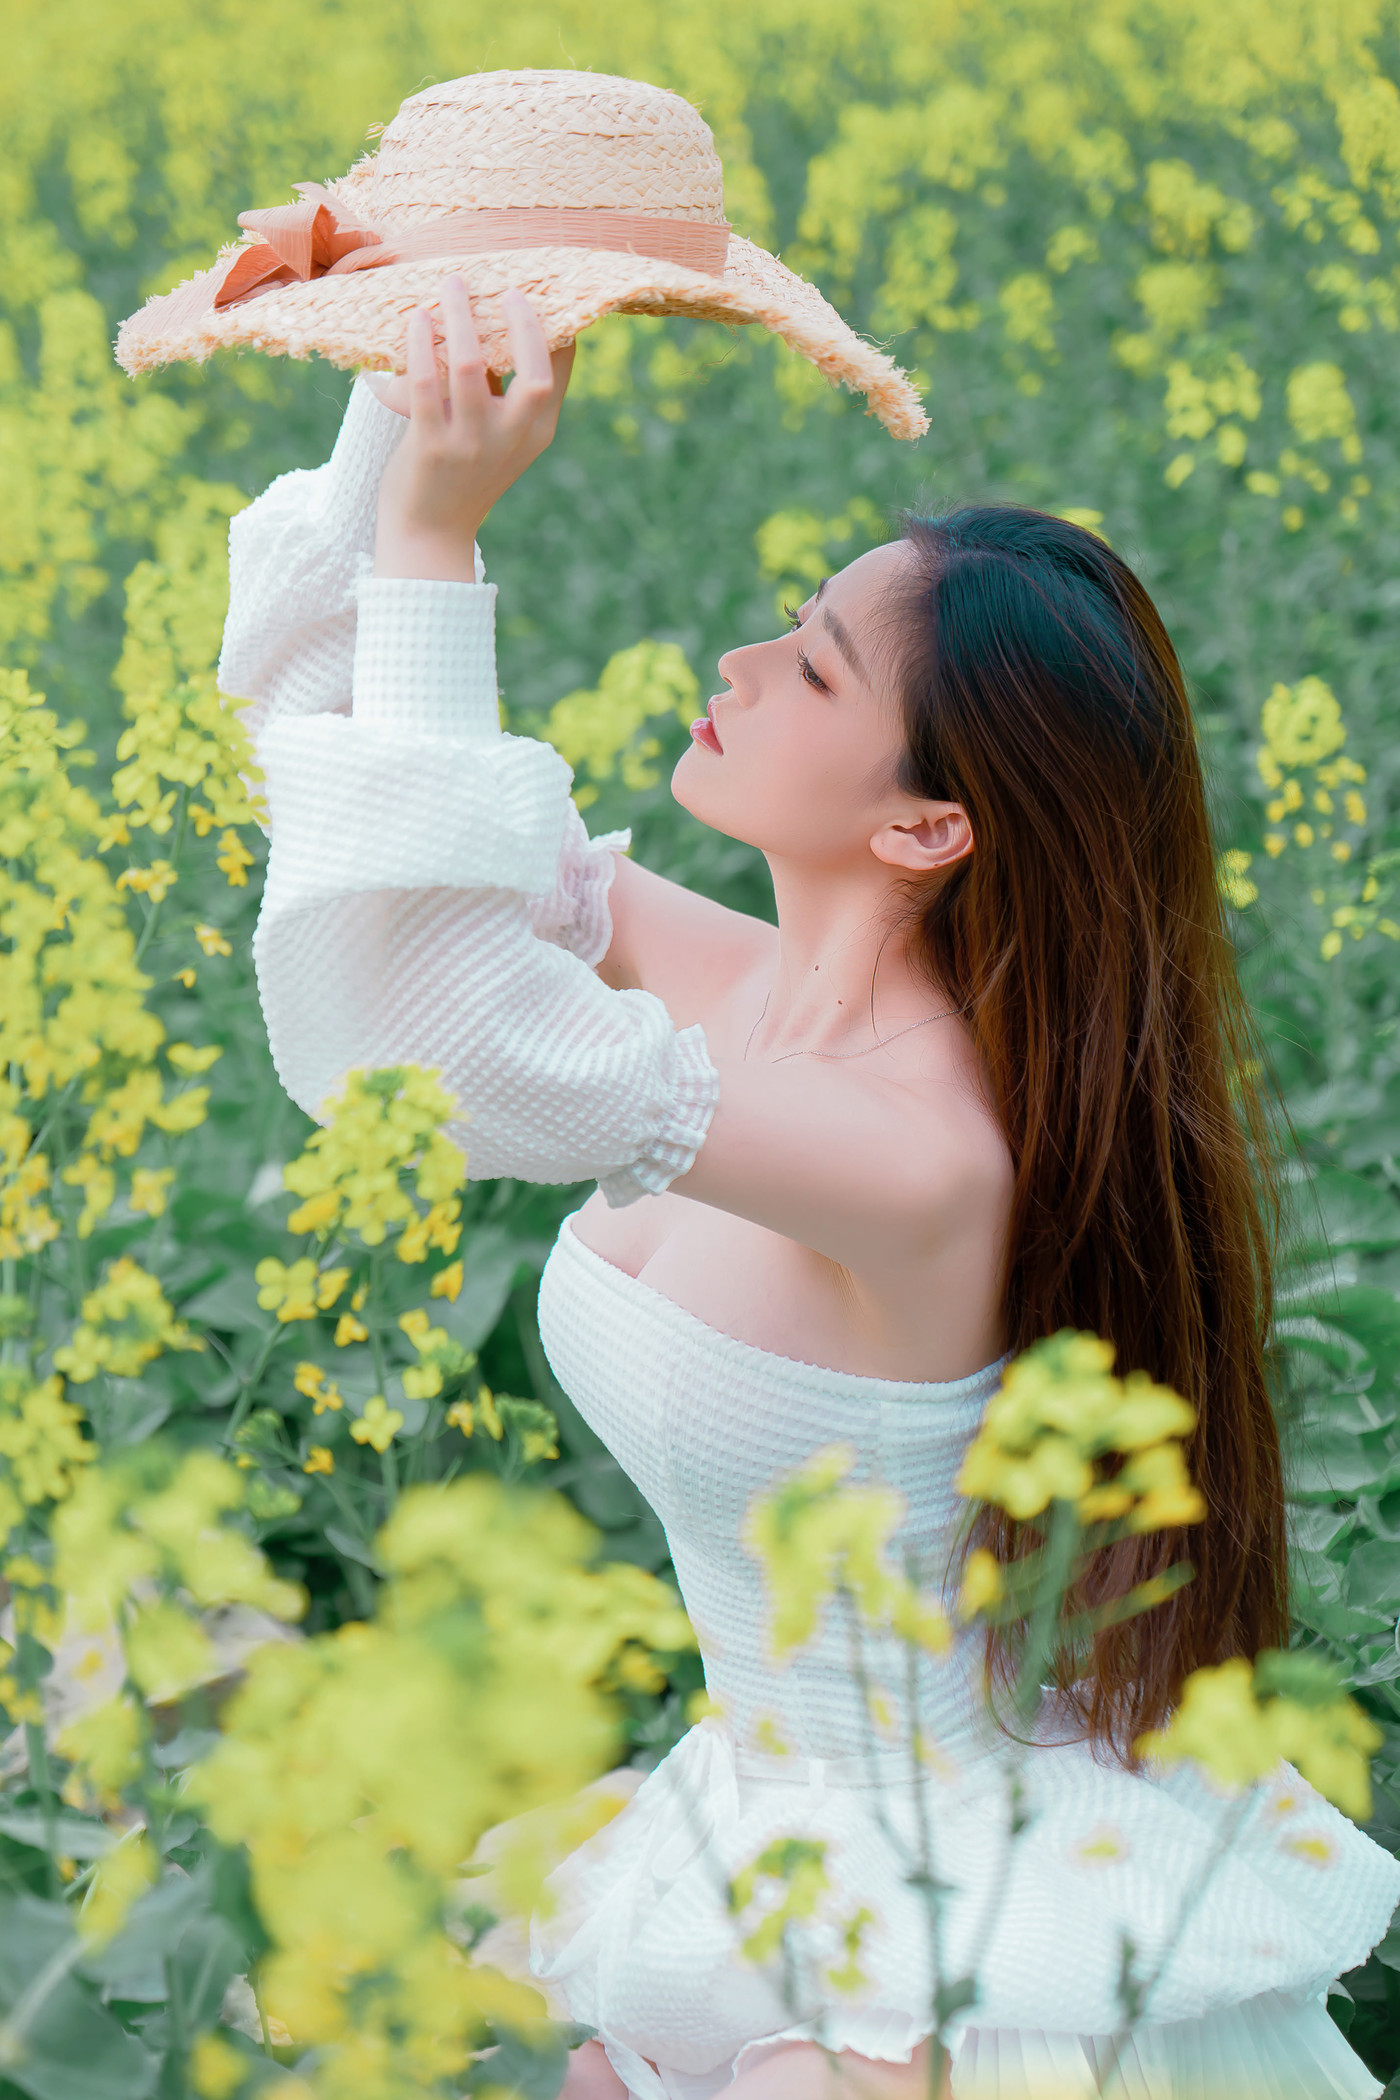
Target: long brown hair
1084, 938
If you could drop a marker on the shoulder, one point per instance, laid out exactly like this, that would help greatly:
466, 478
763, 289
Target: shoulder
940, 1151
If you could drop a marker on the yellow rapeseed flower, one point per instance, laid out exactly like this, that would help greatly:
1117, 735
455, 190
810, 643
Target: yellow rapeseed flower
150, 1190
212, 941
1239, 1720
234, 860
154, 882
126, 1323
289, 1291
319, 1459
1059, 1411
378, 1425
123, 1874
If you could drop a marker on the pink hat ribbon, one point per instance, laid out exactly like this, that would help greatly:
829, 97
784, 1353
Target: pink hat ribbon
320, 238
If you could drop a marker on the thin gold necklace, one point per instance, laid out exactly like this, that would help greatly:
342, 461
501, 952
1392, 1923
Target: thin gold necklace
866, 1052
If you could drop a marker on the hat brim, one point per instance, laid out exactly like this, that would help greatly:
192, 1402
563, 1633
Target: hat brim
360, 319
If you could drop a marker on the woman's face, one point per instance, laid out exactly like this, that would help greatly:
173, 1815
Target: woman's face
798, 755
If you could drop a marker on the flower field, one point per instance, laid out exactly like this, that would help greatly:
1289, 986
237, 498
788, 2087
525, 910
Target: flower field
313, 1575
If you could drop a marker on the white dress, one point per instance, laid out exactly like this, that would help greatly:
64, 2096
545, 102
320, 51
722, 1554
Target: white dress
433, 896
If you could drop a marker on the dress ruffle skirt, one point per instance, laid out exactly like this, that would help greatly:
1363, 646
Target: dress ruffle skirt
640, 1943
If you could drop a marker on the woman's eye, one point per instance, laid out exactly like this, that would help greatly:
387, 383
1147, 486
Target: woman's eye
809, 674
793, 616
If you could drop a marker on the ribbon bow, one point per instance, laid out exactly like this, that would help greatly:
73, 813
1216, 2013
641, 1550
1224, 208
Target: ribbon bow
297, 242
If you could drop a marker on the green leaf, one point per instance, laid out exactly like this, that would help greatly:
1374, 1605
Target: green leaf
1373, 1576
69, 2047
1327, 1461
1346, 1210
69, 1836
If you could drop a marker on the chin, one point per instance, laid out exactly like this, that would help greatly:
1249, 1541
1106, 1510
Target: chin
691, 789
695, 785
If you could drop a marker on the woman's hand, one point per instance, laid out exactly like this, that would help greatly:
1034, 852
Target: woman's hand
462, 451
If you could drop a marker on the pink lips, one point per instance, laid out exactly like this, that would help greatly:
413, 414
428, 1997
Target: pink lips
703, 731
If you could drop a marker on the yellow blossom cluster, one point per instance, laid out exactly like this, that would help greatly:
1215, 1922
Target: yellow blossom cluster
383, 1127
360, 1769
1238, 1719
1324, 816
1058, 1413
816, 1533
439, 1357
298, 1290
607, 729
797, 548
41, 1442
72, 1009
183, 739
126, 1322
151, 1518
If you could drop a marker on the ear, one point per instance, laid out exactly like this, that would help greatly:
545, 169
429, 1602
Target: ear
934, 835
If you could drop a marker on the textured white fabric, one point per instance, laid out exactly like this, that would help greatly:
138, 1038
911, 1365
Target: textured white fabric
296, 559
640, 1943
432, 895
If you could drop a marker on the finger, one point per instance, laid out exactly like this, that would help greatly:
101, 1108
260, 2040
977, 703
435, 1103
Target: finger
466, 367
533, 386
424, 394
562, 364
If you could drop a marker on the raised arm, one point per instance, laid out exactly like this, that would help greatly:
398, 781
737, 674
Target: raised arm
408, 845
296, 556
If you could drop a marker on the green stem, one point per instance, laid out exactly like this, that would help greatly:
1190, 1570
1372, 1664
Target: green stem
1057, 1564
250, 1383
376, 1339
262, 2010
9, 1281
153, 915
37, 1748
388, 1460
179, 2040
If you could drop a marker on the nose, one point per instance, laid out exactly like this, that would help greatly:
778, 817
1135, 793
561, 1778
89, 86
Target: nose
737, 672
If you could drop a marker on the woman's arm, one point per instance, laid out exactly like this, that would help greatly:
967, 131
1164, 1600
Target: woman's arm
407, 843
296, 555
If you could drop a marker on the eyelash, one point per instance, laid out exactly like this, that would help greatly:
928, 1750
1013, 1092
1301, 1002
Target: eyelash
810, 676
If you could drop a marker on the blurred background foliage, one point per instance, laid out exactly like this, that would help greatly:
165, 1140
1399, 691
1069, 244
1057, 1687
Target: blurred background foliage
1143, 258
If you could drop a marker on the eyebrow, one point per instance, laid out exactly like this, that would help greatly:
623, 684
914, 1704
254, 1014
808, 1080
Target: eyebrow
840, 634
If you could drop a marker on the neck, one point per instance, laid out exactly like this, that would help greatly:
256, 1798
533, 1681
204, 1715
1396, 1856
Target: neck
839, 951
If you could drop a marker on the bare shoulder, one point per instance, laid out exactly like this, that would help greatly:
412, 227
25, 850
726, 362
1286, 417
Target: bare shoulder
685, 948
945, 1159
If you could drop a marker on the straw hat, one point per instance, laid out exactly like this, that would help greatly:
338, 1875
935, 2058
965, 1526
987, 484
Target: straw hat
594, 194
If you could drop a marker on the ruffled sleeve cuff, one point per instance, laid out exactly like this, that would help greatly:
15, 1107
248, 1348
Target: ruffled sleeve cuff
671, 1153
576, 914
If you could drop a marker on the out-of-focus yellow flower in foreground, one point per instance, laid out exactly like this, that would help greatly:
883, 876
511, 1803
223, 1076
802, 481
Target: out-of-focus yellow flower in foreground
1238, 1720
1058, 1412
122, 1875
814, 1534
360, 1768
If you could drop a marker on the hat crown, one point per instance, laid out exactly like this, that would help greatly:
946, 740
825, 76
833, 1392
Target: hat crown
497, 141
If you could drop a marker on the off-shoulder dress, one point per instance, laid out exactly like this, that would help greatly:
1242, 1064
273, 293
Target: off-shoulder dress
432, 895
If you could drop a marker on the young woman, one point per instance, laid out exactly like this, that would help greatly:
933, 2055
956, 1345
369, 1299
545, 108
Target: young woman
979, 1084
